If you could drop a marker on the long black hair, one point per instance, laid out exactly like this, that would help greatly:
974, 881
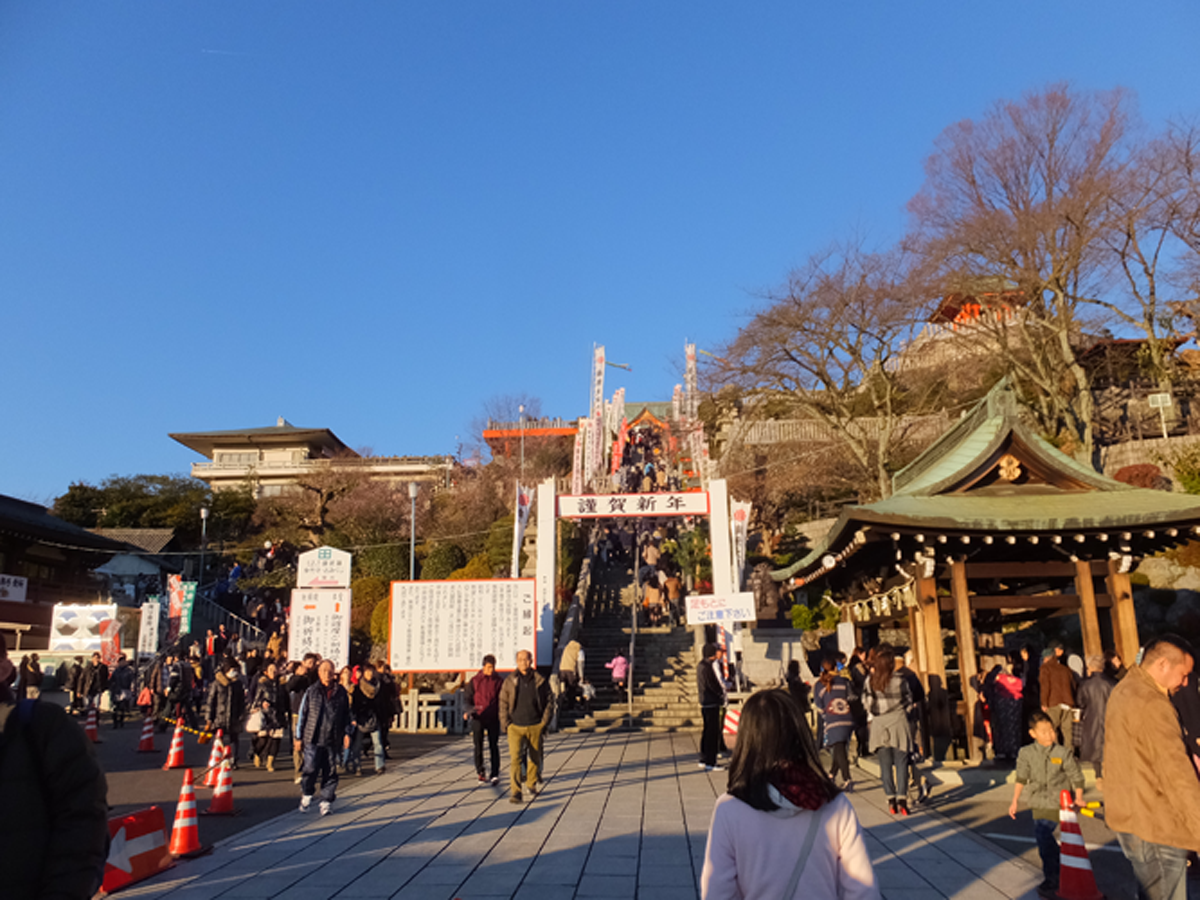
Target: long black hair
772, 734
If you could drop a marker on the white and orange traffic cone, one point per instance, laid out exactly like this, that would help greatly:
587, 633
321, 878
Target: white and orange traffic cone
175, 754
214, 759
92, 727
185, 835
222, 798
1075, 879
146, 744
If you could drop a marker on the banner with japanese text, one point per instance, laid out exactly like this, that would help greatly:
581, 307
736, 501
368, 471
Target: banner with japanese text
521, 520
148, 630
598, 506
449, 626
319, 622
703, 609
174, 607
577, 465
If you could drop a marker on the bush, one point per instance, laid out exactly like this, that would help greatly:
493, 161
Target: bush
380, 619
441, 561
385, 563
1185, 465
367, 593
479, 567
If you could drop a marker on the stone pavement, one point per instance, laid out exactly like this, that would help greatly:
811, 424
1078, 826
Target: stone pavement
622, 816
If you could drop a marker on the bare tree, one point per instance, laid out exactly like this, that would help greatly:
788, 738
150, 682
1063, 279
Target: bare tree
1020, 199
824, 349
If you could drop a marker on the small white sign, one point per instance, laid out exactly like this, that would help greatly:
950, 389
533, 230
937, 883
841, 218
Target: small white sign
148, 632
325, 567
12, 588
705, 608
448, 626
319, 622
604, 506
1160, 401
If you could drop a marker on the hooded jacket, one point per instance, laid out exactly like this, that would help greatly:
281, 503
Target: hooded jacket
226, 703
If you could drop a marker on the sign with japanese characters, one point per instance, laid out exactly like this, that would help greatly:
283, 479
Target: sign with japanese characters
449, 626
325, 567
320, 623
148, 630
76, 628
603, 506
181, 597
705, 608
12, 588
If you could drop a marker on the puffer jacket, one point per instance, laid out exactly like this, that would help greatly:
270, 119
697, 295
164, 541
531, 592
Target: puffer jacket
324, 716
226, 703
275, 697
54, 833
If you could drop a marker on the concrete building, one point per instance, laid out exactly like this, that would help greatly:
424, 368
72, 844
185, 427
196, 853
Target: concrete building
270, 461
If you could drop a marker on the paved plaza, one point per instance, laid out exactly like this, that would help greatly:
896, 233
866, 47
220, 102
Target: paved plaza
622, 816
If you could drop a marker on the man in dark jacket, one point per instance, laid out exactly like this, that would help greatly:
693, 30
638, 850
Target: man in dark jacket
94, 681
712, 695
1092, 697
54, 828
482, 700
525, 709
1058, 693
74, 682
304, 676
226, 705
323, 727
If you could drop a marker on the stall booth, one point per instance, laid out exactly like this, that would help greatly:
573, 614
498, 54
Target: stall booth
992, 526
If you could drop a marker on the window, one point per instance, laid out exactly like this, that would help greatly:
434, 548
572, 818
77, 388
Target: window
238, 459
271, 490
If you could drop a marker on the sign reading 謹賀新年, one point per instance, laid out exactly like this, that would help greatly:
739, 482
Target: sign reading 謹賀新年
320, 623
325, 567
705, 608
603, 506
449, 626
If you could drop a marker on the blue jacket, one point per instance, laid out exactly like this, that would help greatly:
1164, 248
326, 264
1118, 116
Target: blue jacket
324, 717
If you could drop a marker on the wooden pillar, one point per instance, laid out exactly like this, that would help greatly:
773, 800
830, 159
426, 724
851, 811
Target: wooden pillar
934, 657
1089, 619
964, 633
916, 638
1125, 630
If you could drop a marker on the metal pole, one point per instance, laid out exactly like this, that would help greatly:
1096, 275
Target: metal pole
637, 590
412, 532
521, 425
203, 541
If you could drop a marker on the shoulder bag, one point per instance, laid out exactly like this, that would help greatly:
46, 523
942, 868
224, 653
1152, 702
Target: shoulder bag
814, 825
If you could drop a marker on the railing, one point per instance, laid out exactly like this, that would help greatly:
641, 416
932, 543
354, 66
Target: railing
813, 431
432, 713
428, 462
573, 623
530, 424
216, 615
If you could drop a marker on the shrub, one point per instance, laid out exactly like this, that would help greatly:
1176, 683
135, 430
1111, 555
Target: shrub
441, 561
384, 563
478, 567
380, 619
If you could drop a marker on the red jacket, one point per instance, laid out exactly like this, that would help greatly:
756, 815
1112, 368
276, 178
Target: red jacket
482, 693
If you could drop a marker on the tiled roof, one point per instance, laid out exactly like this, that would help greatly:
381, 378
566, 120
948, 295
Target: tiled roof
31, 520
151, 540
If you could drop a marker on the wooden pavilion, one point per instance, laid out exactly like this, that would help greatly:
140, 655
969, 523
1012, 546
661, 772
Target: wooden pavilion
992, 525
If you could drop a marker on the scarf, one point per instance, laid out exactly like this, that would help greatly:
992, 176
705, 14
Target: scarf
801, 786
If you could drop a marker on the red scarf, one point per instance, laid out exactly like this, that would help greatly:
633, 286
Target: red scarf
801, 786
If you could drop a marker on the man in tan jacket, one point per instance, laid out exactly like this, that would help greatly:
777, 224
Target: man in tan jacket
1151, 794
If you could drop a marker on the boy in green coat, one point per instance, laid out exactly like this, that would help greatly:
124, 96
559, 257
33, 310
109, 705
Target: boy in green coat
1046, 768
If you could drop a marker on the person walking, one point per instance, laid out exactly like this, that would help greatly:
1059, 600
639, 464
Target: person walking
365, 710
1092, 697
323, 729
93, 682
74, 685
619, 666
304, 676
1008, 707
1151, 793
888, 700
836, 720
481, 697
1044, 770
526, 706
30, 677
269, 703
226, 705
570, 668
712, 697
781, 821
1058, 693
120, 691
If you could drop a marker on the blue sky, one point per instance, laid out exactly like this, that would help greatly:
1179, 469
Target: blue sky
373, 216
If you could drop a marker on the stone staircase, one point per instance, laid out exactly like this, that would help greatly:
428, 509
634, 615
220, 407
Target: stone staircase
664, 679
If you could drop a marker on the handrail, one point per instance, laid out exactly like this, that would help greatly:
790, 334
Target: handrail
245, 628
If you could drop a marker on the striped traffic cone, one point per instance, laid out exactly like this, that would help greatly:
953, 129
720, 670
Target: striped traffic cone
1075, 880
214, 759
222, 798
92, 727
146, 744
175, 754
185, 835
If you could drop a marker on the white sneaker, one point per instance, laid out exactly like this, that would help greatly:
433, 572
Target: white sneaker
305, 802
326, 807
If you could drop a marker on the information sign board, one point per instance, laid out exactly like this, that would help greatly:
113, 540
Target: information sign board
448, 626
325, 567
319, 622
604, 506
705, 608
12, 588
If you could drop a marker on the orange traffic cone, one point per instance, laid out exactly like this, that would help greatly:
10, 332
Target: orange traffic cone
185, 836
222, 798
175, 754
1075, 880
146, 744
214, 759
92, 726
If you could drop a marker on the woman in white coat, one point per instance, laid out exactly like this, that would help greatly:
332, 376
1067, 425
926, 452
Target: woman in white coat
782, 823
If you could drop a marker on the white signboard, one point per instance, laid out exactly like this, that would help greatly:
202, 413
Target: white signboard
80, 629
722, 610
148, 632
12, 588
325, 567
603, 506
1160, 401
448, 626
320, 623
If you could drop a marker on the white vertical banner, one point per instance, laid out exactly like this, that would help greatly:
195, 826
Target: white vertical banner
589, 451
547, 550
677, 403
520, 520
691, 386
597, 382
577, 465
148, 630
722, 555
739, 522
